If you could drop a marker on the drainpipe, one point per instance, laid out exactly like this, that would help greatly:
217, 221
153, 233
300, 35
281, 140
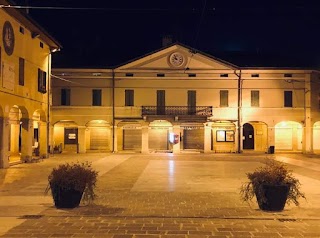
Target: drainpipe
239, 108
113, 111
48, 106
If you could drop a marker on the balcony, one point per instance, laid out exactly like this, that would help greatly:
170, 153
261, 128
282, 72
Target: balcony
203, 111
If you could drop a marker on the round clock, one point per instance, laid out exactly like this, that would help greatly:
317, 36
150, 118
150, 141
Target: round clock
8, 38
176, 59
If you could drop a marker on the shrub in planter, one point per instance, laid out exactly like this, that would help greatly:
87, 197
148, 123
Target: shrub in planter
273, 185
69, 183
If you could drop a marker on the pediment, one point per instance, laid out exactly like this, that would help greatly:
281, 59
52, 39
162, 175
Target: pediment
164, 59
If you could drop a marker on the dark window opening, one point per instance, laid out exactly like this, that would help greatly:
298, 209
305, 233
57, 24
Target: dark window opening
288, 75
192, 75
129, 97
41, 44
65, 97
21, 29
129, 75
160, 75
21, 71
96, 97
287, 98
255, 75
224, 75
42, 81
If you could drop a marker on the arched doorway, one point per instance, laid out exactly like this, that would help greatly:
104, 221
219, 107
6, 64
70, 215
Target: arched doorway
316, 136
65, 135
99, 135
288, 136
248, 136
129, 136
158, 135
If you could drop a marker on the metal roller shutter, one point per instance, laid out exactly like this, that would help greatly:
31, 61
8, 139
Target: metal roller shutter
132, 139
158, 139
193, 139
99, 138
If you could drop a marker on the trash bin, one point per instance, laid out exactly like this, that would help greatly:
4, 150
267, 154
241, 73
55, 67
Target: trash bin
271, 149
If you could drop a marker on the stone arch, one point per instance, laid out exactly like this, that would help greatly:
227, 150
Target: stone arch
98, 135
288, 136
258, 136
129, 135
316, 136
65, 135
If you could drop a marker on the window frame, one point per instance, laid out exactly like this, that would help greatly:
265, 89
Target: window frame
42, 81
224, 102
21, 71
129, 98
65, 99
287, 97
255, 98
96, 97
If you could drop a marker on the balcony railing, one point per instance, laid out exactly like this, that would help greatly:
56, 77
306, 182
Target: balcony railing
177, 110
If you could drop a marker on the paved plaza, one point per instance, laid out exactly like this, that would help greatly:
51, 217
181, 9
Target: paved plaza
158, 195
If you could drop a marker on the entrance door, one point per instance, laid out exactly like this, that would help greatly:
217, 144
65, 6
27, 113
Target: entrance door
248, 134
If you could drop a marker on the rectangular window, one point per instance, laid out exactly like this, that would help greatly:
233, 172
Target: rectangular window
96, 97
65, 97
21, 71
192, 95
287, 98
224, 94
129, 98
225, 136
161, 102
254, 98
224, 75
42, 81
255, 75
21, 29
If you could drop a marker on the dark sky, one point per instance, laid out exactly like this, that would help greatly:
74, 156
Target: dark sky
121, 30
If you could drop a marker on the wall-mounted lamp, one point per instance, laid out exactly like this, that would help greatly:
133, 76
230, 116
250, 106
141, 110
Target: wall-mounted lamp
55, 50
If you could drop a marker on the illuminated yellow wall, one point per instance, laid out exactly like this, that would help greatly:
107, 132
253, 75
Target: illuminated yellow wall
35, 57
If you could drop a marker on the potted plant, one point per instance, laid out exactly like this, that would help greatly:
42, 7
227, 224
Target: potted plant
69, 183
273, 185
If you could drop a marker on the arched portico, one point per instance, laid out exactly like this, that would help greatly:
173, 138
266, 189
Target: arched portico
288, 136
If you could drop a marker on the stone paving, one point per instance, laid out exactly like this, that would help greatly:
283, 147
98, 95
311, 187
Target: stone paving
158, 195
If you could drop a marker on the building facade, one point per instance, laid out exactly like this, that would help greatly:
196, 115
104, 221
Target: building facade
25, 56
178, 100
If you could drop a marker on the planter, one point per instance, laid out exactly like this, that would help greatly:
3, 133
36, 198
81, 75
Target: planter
275, 197
66, 198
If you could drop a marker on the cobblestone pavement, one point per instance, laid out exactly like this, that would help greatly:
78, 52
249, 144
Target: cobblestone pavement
158, 195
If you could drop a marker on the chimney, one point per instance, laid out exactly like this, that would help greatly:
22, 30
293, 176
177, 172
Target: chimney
166, 40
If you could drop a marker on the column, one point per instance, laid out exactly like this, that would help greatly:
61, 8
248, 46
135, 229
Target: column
115, 148
176, 147
207, 138
307, 137
43, 143
271, 137
26, 137
81, 139
145, 139
4, 142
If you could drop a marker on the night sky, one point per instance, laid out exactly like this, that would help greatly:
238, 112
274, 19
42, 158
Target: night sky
121, 30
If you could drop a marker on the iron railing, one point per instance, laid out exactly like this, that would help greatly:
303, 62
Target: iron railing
177, 110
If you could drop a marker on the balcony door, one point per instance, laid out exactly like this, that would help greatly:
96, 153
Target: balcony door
161, 102
192, 102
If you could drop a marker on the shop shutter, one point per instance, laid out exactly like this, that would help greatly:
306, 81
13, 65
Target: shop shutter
132, 139
193, 139
158, 139
99, 138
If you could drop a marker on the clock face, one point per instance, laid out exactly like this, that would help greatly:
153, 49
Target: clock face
176, 59
8, 38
